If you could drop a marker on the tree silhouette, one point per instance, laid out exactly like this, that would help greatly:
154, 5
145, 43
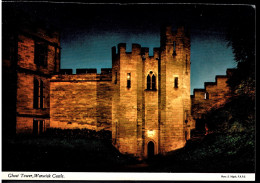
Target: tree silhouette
241, 37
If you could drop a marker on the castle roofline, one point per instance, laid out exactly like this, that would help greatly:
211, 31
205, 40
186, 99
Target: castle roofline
136, 50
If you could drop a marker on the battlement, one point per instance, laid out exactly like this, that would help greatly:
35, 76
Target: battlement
136, 50
86, 71
66, 75
213, 95
175, 38
106, 71
220, 81
66, 71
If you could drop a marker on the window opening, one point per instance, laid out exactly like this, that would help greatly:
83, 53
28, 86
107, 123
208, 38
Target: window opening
40, 54
176, 82
206, 95
174, 48
148, 82
153, 82
128, 80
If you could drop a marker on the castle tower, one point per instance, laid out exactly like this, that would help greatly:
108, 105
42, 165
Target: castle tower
127, 99
151, 96
174, 89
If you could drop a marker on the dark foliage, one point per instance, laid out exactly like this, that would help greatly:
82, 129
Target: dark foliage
238, 115
241, 37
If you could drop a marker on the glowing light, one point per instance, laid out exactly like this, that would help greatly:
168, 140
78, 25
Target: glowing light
150, 133
128, 76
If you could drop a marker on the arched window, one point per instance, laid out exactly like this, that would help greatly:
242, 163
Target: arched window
148, 82
153, 82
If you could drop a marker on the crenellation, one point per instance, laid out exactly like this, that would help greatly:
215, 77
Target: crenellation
214, 95
156, 53
85, 71
121, 48
66, 71
145, 52
136, 49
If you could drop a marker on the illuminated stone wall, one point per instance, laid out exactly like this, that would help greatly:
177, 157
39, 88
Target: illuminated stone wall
140, 114
81, 101
213, 95
174, 95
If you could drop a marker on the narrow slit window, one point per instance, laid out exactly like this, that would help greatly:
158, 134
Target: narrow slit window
35, 94
174, 48
176, 82
206, 96
42, 97
186, 117
128, 80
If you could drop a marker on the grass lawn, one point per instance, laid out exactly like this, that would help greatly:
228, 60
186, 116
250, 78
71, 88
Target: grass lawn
76, 151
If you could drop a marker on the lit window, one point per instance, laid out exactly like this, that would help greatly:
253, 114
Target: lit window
128, 80
206, 95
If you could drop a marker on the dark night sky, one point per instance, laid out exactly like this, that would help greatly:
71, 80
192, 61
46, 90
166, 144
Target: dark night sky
89, 31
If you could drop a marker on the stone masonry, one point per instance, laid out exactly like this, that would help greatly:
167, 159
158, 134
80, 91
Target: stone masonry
151, 107
212, 96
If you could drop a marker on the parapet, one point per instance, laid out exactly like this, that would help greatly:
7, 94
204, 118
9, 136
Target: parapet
219, 81
121, 48
65, 71
145, 52
156, 52
136, 50
106, 71
86, 71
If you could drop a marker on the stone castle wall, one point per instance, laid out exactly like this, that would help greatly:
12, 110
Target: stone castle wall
213, 95
81, 101
28, 71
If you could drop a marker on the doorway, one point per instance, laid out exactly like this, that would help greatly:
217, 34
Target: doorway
150, 150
